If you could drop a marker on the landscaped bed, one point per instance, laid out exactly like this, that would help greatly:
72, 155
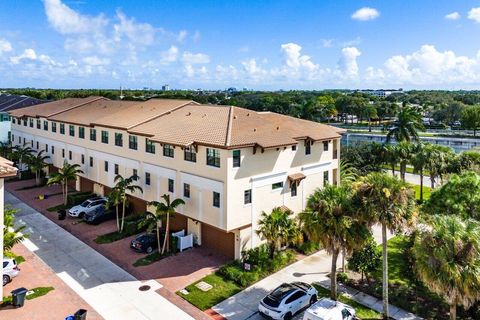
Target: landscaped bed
36, 292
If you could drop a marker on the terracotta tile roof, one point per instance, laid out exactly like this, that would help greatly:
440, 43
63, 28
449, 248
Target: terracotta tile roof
6, 168
51, 108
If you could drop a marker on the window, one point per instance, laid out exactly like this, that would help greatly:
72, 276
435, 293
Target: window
190, 154
308, 147
213, 157
293, 189
46, 147
118, 139
93, 134
25, 122
38, 123
133, 142
135, 173
13, 120
91, 161
325, 145
297, 295
216, 199
105, 166
54, 127
53, 150
69, 155
63, 153
31, 143
171, 185
294, 147
277, 185
31, 123
236, 158
147, 178
168, 150
71, 130
186, 190
45, 125
247, 196
83, 159
38, 145
104, 136
325, 176
81, 132
149, 146
62, 128
19, 139
116, 168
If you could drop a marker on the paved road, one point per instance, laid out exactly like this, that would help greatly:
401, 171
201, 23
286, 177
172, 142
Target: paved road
314, 268
110, 290
414, 178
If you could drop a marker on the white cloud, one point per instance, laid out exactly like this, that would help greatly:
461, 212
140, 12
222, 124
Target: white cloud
474, 14
169, 56
195, 58
182, 35
196, 36
294, 59
453, 16
96, 61
67, 21
348, 62
365, 14
139, 33
327, 43
5, 46
28, 54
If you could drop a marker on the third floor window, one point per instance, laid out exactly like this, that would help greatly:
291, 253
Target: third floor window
118, 139
81, 132
38, 123
93, 134
190, 154
213, 157
45, 125
236, 158
71, 130
62, 128
149, 146
168, 150
54, 127
104, 136
133, 142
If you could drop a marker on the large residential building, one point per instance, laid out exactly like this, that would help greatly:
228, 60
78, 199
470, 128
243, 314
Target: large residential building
227, 163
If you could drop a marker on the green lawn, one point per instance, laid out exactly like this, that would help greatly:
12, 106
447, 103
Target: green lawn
362, 312
397, 264
221, 290
426, 192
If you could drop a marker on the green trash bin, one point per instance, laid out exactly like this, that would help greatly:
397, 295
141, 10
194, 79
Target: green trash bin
81, 314
18, 297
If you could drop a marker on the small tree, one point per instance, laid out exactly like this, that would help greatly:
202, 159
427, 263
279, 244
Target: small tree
122, 186
64, 175
366, 259
21, 154
11, 235
471, 118
37, 163
409, 122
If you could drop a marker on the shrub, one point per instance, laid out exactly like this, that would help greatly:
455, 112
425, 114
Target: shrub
367, 259
77, 198
259, 256
308, 247
342, 277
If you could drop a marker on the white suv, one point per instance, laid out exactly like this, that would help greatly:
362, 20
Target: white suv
327, 309
10, 270
87, 206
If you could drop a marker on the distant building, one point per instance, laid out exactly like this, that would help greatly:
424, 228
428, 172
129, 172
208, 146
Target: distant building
9, 102
381, 93
165, 87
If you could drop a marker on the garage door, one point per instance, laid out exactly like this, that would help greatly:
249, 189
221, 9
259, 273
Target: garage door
221, 242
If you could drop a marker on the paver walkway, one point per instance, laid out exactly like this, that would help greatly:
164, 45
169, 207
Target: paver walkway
110, 290
315, 268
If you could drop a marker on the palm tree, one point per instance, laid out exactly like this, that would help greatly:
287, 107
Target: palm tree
419, 160
277, 228
348, 173
389, 201
64, 175
21, 154
391, 156
409, 122
37, 163
447, 259
437, 158
330, 220
113, 199
11, 235
404, 151
164, 209
122, 186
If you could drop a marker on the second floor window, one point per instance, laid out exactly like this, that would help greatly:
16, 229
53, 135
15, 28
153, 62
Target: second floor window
62, 128
53, 150
93, 134
133, 142
236, 158
213, 157
104, 136
325, 177
81, 132
83, 158
115, 169
69, 155
149, 146
105, 165
91, 161
45, 125
216, 199
118, 139
190, 154
71, 130
247, 196
147, 178
277, 185
168, 150
54, 127
171, 185
293, 189
186, 190
63, 153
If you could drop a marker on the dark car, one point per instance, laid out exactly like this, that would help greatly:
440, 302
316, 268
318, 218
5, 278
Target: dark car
146, 243
99, 215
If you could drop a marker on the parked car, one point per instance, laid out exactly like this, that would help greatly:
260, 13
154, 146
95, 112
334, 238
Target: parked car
87, 206
146, 243
288, 299
327, 309
99, 215
10, 270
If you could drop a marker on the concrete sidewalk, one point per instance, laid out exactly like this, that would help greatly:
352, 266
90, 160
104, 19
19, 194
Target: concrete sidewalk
110, 290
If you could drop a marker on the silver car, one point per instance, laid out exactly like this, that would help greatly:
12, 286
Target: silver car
10, 270
87, 206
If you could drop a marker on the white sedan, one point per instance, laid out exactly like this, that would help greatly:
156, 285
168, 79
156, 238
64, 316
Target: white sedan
288, 299
10, 270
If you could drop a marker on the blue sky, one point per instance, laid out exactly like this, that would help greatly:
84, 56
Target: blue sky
256, 44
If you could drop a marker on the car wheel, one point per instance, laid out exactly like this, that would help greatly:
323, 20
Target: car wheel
149, 250
313, 299
287, 316
81, 215
6, 279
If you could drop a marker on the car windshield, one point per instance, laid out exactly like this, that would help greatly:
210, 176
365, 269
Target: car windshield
275, 298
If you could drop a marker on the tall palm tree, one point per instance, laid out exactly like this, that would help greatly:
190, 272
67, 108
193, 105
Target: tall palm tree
409, 122
391, 156
419, 160
389, 201
447, 259
330, 220
165, 210
437, 159
36, 163
404, 151
122, 187
277, 228
348, 173
64, 175
21, 154
114, 200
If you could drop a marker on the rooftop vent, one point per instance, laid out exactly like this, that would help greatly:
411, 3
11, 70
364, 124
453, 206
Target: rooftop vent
278, 128
188, 114
254, 129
